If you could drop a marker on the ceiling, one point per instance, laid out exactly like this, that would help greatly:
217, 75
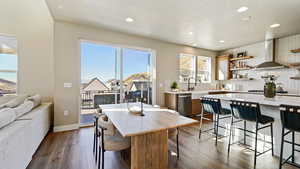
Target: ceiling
172, 20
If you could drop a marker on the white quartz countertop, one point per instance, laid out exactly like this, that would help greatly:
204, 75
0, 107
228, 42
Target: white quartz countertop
276, 101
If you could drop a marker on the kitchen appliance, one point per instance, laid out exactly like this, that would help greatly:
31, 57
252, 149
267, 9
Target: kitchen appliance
270, 63
184, 104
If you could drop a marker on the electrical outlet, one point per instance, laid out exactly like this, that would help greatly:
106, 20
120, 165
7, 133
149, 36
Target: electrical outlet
66, 113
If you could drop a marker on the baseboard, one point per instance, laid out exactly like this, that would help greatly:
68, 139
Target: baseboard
66, 127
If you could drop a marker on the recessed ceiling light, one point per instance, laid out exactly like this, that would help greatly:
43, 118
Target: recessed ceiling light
221, 41
275, 25
190, 33
129, 19
194, 44
242, 9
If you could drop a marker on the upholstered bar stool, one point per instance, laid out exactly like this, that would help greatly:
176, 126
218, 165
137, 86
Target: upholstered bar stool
290, 119
249, 111
110, 139
213, 106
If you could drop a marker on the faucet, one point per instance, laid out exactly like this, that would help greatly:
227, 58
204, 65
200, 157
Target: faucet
189, 84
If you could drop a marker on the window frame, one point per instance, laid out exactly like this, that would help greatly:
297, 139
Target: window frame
196, 67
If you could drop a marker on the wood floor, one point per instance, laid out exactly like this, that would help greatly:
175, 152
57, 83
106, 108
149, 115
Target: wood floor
73, 150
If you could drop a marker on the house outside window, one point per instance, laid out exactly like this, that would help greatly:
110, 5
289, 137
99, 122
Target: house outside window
195, 68
8, 65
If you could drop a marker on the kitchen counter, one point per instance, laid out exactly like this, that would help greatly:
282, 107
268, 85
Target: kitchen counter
196, 94
276, 101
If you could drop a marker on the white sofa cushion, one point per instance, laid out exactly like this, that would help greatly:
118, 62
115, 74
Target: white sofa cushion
36, 99
7, 115
16, 101
5, 99
23, 108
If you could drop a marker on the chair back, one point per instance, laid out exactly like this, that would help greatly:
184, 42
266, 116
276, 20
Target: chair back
290, 117
211, 105
245, 110
105, 123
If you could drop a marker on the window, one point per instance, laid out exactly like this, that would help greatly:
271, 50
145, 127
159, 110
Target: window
8, 65
195, 68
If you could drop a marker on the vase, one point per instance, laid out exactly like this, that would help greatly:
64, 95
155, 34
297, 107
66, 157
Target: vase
270, 90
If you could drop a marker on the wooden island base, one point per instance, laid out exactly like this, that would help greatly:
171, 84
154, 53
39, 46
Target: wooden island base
150, 151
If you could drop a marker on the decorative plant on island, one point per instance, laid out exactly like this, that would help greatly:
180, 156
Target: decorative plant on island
174, 86
270, 86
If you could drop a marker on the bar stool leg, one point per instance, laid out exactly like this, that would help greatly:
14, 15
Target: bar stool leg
245, 127
214, 121
201, 121
177, 143
255, 151
281, 149
272, 139
230, 131
217, 129
293, 146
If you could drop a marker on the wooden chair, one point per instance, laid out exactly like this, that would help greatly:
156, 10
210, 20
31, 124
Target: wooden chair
172, 133
110, 139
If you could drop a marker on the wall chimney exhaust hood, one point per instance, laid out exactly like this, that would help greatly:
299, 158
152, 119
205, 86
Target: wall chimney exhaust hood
270, 63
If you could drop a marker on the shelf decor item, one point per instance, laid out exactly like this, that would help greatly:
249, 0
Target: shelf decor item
241, 54
270, 86
174, 86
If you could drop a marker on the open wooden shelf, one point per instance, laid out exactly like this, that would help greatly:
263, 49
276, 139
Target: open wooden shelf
241, 58
243, 79
237, 69
295, 78
295, 50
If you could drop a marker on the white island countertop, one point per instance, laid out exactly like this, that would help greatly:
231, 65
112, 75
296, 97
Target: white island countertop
276, 101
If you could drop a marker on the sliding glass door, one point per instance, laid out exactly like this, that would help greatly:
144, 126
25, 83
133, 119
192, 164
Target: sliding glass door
137, 75
111, 74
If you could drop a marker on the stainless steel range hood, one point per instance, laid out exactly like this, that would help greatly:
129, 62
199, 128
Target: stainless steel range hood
270, 63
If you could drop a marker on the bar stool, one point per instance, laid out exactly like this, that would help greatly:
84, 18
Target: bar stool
249, 111
290, 118
213, 106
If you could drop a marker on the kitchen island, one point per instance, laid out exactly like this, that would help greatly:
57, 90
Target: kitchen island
270, 107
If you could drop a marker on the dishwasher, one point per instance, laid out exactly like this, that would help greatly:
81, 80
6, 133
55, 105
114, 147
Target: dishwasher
184, 104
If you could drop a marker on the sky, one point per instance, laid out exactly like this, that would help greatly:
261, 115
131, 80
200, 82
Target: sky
100, 61
8, 62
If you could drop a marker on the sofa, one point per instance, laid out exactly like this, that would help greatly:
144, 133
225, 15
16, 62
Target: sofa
24, 122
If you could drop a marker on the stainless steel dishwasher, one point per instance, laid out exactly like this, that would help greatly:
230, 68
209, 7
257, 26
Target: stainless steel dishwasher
184, 104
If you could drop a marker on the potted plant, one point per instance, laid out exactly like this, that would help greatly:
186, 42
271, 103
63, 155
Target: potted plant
174, 86
270, 86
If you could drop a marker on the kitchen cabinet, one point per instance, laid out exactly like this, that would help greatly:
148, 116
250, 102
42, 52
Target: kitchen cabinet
223, 67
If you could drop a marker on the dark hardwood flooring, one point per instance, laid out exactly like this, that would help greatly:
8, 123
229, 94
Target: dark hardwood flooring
73, 150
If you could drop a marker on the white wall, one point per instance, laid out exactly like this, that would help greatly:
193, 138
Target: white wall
283, 55
31, 23
67, 63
